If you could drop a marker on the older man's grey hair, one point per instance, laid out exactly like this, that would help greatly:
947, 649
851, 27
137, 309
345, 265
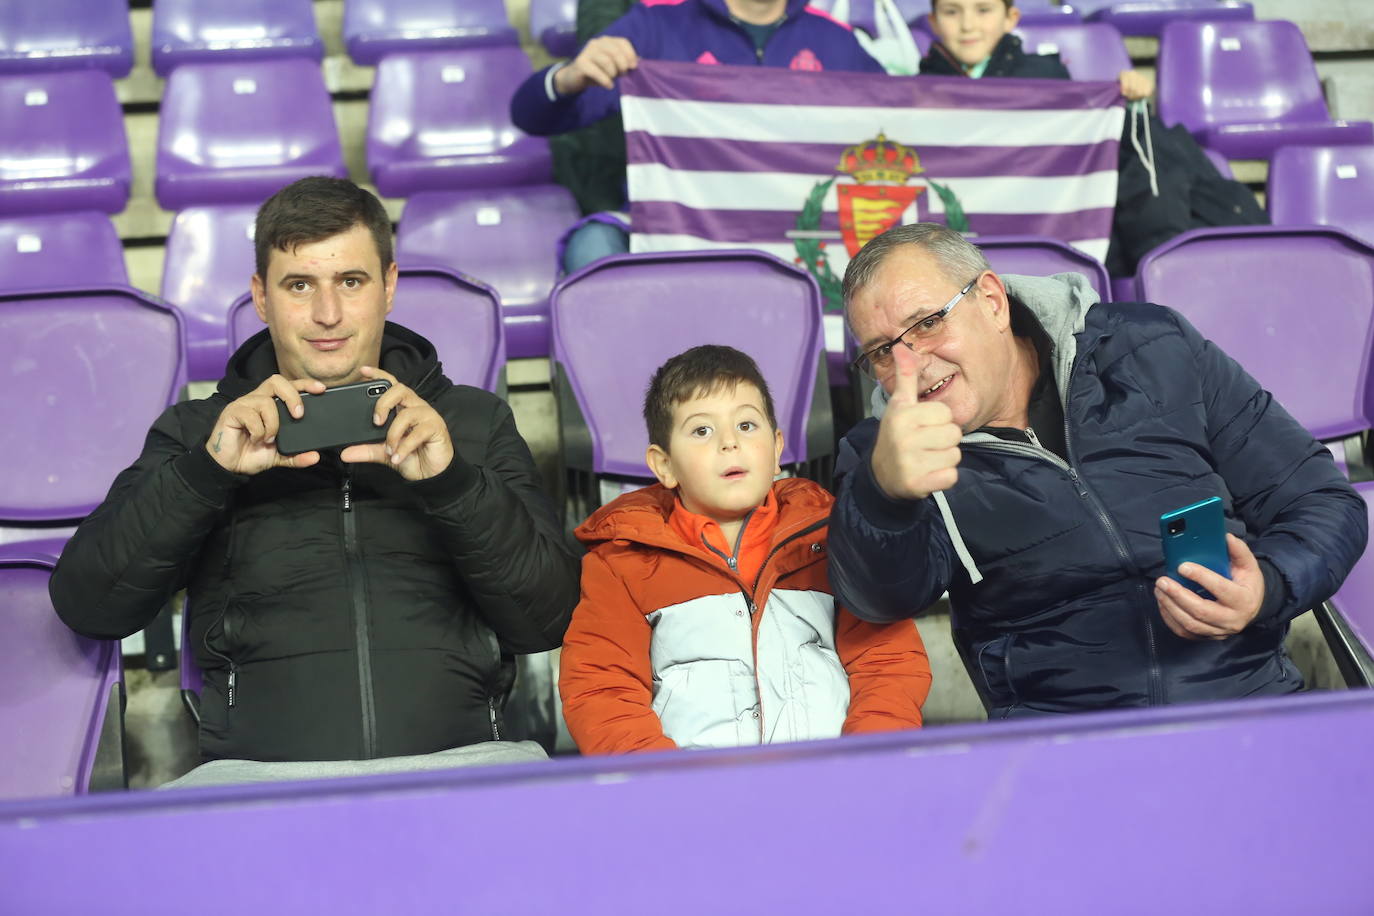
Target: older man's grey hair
958, 258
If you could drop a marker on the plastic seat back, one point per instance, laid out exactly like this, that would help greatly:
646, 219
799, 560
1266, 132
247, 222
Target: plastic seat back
62, 146
1245, 88
207, 267
1149, 17
553, 23
62, 719
199, 31
506, 237
617, 320
58, 249
65, 35
1038, 256
440, 120
1090, 50
373, 29
1323, 185
1355, 598
85, 372
1295, 307
237, 132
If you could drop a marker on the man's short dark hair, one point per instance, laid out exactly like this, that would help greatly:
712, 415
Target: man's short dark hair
696, 373
314, 209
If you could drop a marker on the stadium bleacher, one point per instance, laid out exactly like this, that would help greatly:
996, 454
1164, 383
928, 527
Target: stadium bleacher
254, 101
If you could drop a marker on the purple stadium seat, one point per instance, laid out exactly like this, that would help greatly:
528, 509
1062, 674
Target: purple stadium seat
1246, 88
1037, 256
237, 132
65, 35
1355, 600
1047, 11
202, 31
209, 264
459, 315
923, 40
375, 28
440, 120
553, 23
62, 146
505, 237
85, 372
1149, 17
1323, 185
60, 249
1294, 306
1221, 162
1090, 50
617, 320
62, 718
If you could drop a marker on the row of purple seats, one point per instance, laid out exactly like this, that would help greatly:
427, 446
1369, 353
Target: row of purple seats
1150, 17
65, 34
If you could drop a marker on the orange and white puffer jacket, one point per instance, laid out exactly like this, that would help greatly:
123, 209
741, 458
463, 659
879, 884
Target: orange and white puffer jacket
677, 643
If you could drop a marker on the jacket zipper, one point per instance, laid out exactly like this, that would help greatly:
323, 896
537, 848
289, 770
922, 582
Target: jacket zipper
1148, 609
1103, 517
758, 580
361, 621
733, 563
233, 667
732, 560
491, 711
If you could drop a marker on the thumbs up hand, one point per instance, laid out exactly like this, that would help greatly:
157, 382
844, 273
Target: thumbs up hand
917, 452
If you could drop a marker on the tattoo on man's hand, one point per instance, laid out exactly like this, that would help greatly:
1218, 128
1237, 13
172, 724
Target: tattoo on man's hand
217, 440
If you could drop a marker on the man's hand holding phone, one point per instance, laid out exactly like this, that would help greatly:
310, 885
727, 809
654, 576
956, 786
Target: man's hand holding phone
245, 435
1238, 599
417, 445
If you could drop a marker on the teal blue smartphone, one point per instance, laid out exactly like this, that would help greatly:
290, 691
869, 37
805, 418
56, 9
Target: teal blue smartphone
1195, 534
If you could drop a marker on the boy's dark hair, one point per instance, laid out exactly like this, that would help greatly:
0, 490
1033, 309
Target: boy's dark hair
696, 373
314, 209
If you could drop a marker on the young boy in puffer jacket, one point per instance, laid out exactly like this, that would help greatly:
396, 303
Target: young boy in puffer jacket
706, 617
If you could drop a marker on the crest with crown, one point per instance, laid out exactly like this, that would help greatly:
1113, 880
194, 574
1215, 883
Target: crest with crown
880, 160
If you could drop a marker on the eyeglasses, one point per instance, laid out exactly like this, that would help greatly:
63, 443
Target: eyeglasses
879, 360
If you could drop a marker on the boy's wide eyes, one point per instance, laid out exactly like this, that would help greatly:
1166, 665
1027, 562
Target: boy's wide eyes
703, 432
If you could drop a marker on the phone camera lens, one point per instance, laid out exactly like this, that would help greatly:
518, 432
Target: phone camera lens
1177, 526
376, 391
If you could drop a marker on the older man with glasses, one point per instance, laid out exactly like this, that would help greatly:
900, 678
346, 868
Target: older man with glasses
1025, 443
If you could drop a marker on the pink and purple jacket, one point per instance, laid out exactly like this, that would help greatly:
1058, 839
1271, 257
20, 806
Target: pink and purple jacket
692, 30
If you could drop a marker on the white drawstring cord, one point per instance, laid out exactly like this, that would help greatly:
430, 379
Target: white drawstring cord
1140, 114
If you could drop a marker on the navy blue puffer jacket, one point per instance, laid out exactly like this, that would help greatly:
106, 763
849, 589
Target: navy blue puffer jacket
1052, 600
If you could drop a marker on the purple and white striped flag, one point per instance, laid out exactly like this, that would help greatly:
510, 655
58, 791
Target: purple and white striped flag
808, 166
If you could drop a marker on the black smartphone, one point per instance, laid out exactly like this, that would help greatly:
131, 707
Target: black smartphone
337, 417
1195, 534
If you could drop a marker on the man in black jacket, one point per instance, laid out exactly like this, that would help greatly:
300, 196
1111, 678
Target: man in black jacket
348, 604
1029, 440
